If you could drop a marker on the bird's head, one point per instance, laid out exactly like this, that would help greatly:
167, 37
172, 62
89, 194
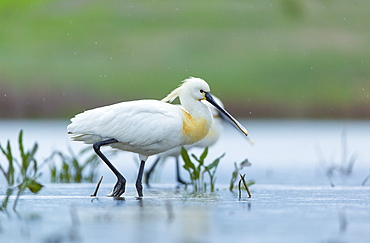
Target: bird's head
199, 90
193, 87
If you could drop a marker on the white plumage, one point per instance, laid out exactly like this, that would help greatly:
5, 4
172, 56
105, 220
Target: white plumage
148, 127
207, 141
130, 123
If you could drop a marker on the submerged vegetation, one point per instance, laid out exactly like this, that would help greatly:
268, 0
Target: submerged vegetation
245, 185
197, 170
72, 169
21, 173
331, 168
236, 173
242, 184
366, 179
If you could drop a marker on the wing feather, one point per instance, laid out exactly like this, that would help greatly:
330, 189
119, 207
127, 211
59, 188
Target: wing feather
136, 123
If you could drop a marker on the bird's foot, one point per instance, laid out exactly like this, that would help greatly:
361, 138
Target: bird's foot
119, 188
181, 181
139, 188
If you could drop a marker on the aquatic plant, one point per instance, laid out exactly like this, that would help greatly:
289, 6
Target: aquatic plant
196, 172
20, 174
366, 179
245, 184
344, 168
97, 187
236, 172
72, 169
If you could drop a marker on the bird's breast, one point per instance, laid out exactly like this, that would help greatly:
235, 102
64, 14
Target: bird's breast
194, 129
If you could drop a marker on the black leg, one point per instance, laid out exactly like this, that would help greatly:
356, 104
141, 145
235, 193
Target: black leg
150, 171
139, 185
119, 188
179, 179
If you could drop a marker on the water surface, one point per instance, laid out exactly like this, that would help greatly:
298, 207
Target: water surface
292, 200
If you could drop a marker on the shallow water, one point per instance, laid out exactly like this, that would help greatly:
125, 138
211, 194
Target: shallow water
292, 200
285, 151
275, 213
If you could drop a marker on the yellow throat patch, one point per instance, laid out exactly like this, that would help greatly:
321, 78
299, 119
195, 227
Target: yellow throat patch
194, 129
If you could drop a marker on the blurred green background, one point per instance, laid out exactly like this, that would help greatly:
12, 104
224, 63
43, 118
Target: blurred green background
264, 59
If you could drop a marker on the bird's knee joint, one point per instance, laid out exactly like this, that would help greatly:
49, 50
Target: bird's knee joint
139, 186
96, 147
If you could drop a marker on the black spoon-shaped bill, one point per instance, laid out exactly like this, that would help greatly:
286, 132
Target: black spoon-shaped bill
211, 100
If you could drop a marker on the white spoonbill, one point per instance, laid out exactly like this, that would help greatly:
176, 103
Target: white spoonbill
207, 141
148, 127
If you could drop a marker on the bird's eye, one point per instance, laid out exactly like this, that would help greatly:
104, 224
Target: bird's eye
202, 91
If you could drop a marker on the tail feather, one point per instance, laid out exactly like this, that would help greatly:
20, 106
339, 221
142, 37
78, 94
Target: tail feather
86, 138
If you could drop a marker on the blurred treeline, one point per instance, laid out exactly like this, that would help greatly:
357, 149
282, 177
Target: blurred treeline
266, 58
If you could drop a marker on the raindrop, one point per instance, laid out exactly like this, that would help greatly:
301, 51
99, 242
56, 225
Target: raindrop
96, 42
311, 68
4, 95
177, 9
44, 99
111, 58
250, 113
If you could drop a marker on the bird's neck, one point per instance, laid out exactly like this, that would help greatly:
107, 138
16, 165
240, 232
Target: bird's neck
197, 121
196, 108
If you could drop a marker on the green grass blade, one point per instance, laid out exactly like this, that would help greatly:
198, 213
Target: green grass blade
204, 154
214, 163
33, 186
188, 164
11, 171
20, 143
